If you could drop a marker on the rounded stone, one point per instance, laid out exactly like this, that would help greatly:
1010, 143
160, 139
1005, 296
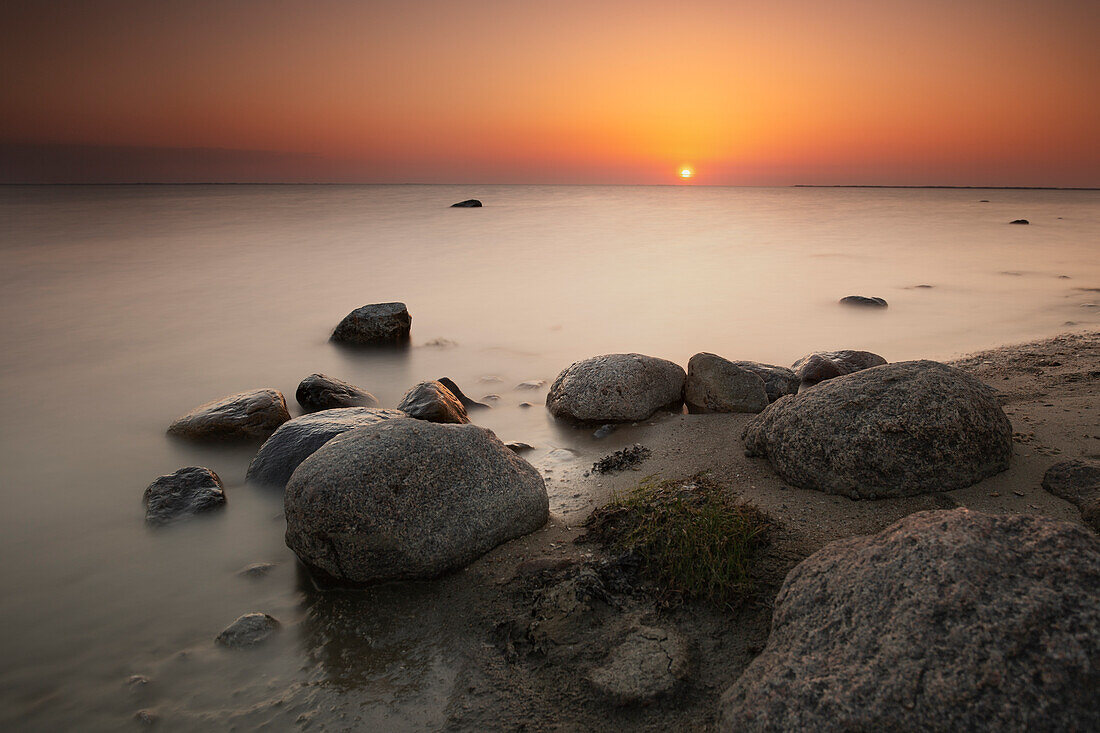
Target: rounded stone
297, 439
894, 430
649, 664
252, 415
378, 324
715, 384
321, 392
947, 620
616, 388
432, 401
248, 630
407, 498
185, 492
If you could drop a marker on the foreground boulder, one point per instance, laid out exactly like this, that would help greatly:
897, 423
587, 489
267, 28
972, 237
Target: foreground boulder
1078, 482
717, 385
320, 392
817, 367
379, 324
896, 430
433, 402
862, 301
616, 388
947, 620
188, 491
409, 499
297, 440
244, 416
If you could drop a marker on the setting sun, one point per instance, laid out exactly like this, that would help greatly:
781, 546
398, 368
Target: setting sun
686, 173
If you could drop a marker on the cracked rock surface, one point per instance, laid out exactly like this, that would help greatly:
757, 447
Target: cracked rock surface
651, 662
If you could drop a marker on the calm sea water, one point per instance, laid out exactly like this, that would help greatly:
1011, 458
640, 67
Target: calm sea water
126, 306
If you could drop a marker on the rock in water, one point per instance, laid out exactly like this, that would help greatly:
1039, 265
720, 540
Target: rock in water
651, 663
1078, 482
466, 401
409, 499
380, 324
319, 392
901, 429
616, 388
467, 204
433, 402
863, 301
819, 366
947, 620
717, 385
247, 630
1019, 221
187, 491
297, 439
244, 416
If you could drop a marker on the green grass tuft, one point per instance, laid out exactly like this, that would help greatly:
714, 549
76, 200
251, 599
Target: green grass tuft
692, 536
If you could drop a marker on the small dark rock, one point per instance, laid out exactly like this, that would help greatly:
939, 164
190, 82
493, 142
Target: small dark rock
526, 405
247, 630
256, 570
604, 430
187, 491
378, 324
146, 717
466, 401
863, 302
1019, 221
531, 384
433, 402
623, 459
319, 392
518, 447
467, 204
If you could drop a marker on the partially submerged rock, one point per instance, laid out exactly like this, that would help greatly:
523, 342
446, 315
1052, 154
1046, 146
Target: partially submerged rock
1078, 482
1019, 221
185, 492
297, 440
862, 301
616, 388
817, 367
432, 401
250, 415
947, 620
467, 403
649, 664
248, 630
895, 430
409, 499
715, 384
378, 324
467, 204
320, 392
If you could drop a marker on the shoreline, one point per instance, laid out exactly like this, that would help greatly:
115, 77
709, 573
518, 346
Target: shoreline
1047, 389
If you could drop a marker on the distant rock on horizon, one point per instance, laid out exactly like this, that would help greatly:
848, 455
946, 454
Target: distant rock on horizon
467, 204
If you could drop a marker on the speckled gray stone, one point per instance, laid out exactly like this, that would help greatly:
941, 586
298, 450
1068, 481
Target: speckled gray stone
946, 621
297, 439
616, 388
896, 430
406, 498
649, 664
250, 415
378, 324
818, 367
715, 384
185, 492
321, 392
432, 401
778, 380
1078, 482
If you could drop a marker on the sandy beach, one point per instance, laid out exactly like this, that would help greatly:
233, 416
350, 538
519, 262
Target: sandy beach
1048, 388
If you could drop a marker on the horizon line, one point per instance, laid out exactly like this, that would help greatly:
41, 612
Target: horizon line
637, 185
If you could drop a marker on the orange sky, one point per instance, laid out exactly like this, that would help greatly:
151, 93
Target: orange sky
952, 92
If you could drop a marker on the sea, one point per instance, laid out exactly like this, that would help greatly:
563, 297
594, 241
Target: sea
126, 306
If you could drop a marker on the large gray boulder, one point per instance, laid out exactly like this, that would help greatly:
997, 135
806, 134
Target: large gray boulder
778, 380
180, 494
433, 402
250, 415
616, 388
715, 384
321, 392
820, 366
946, 621
378, 324
895, 430
297, 440
409, 499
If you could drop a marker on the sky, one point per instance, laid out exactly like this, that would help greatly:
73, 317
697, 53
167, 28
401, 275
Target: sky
877, 92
